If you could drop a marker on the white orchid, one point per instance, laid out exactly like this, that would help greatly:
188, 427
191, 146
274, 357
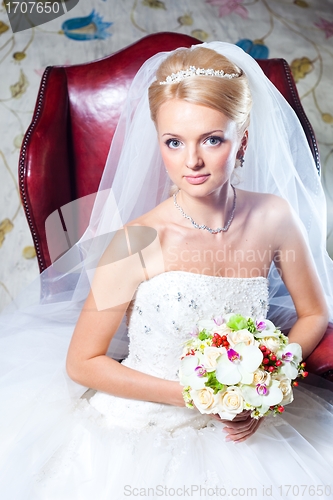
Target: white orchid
270, 330
291, 356
190, 373
262, 396
238, 364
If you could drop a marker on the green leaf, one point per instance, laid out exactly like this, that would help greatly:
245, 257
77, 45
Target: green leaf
213, 383
203, 335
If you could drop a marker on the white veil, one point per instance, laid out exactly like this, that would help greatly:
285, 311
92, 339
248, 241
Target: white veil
35, 333
278, 160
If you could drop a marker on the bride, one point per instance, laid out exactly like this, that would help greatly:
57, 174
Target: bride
241, 232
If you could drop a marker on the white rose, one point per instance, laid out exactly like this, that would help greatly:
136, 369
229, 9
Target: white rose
230, 403
241, 336
261, 377
272, 343
286, 389
211, 354
204, 399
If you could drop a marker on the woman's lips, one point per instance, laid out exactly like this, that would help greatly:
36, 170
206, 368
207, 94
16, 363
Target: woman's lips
196, 179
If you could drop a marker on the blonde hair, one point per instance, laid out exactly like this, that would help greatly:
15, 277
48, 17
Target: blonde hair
232, 97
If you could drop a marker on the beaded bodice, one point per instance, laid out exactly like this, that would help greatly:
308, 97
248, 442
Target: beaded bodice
166, 309
163, 312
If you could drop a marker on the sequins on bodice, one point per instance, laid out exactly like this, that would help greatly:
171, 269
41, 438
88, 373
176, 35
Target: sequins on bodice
163, 312
166, 309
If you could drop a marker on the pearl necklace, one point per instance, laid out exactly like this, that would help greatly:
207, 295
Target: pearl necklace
203, 226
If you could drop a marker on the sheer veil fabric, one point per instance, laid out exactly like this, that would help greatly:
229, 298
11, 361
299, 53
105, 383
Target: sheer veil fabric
36, 393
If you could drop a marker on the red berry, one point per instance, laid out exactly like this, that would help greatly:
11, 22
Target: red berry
295, 383
265, 361
262, 348
303, 364
273, 357
225, 343
271, 369
280, 409
224, 337
278, 363
268, 352
305, 374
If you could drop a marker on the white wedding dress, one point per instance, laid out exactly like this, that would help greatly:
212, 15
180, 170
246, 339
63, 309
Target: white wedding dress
112, 448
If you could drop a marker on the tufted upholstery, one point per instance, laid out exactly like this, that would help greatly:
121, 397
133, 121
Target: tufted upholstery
66, 145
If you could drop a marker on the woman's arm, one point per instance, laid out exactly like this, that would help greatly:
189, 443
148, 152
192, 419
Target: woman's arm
87, 362
294, 262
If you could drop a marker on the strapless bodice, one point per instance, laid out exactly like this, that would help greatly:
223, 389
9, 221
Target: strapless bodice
166, 309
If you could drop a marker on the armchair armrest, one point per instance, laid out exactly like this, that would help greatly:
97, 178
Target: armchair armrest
45, 158
320, 360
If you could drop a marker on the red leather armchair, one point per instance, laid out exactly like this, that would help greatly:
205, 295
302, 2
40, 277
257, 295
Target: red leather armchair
65, 147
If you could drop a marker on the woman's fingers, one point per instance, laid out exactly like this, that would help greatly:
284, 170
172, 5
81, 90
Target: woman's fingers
241, 427
240, 431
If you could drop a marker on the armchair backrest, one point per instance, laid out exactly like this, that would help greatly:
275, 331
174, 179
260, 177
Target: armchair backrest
66, 145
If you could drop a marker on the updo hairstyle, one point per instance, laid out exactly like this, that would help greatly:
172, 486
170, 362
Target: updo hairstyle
232, 97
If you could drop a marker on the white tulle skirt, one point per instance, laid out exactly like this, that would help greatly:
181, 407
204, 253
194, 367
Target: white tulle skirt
83, 453
57, 445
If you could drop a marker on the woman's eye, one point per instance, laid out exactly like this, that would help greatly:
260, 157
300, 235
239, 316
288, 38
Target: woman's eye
173, 143
213, 141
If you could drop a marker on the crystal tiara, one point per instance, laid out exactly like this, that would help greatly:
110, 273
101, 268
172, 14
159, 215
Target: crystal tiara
193, 71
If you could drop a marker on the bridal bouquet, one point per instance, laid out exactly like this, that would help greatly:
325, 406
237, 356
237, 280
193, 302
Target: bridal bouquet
233, 363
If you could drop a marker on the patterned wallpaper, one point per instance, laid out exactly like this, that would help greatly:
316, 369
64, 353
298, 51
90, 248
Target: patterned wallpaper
301, 31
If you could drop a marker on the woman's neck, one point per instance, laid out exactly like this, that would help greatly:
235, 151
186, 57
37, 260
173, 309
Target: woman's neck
213, 210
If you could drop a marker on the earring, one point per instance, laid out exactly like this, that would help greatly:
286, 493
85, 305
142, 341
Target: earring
240, 161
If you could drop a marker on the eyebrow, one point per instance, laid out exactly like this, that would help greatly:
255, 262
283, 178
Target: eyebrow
202, 135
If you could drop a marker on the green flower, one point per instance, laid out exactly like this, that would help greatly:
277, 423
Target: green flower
250, 325
237, 322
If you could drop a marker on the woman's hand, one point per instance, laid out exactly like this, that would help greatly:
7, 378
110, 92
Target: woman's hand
241, 427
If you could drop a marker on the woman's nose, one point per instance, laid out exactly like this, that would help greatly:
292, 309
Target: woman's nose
193, 159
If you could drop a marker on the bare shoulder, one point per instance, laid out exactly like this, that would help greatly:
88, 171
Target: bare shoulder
270, 207
156, 220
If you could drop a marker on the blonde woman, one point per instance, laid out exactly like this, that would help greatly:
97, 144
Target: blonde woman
239, 233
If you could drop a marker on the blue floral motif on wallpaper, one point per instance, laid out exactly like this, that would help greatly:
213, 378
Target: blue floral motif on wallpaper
86, 28
255, 48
